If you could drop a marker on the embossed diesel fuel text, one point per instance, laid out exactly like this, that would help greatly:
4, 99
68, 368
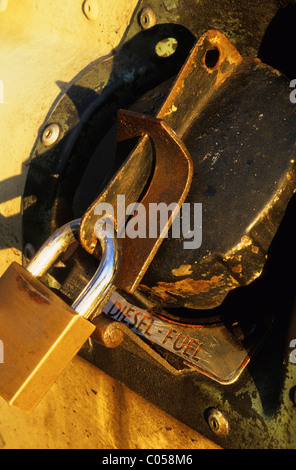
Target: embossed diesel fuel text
145, 324
152, 222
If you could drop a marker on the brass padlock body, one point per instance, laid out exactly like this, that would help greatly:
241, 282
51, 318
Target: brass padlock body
40, 334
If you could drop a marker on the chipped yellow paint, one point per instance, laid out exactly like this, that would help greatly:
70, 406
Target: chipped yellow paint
185, 287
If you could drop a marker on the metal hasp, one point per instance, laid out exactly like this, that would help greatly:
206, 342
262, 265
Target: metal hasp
172, 163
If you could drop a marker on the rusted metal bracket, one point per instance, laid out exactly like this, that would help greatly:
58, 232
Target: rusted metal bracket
172, 163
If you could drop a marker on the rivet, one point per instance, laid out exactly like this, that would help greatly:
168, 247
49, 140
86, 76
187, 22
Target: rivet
50, 134
147, 18
91, 9
217, 422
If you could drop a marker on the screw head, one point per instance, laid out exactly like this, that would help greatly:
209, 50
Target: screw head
50, 134
217, 422
147, 18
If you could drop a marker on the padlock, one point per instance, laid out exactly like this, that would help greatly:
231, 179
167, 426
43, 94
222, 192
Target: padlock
40, 333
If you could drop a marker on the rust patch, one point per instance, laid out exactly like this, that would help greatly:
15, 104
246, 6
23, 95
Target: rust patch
183, 270
245, 240
186, 286
255, 249
237, 269
36, 296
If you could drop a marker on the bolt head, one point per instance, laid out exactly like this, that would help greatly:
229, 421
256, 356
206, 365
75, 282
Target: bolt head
147, 18
50, 134
217, 422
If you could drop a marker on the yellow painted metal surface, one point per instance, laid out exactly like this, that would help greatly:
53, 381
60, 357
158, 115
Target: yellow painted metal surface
86, 409
43, 45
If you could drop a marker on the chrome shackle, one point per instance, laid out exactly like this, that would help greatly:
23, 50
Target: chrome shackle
97, 290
